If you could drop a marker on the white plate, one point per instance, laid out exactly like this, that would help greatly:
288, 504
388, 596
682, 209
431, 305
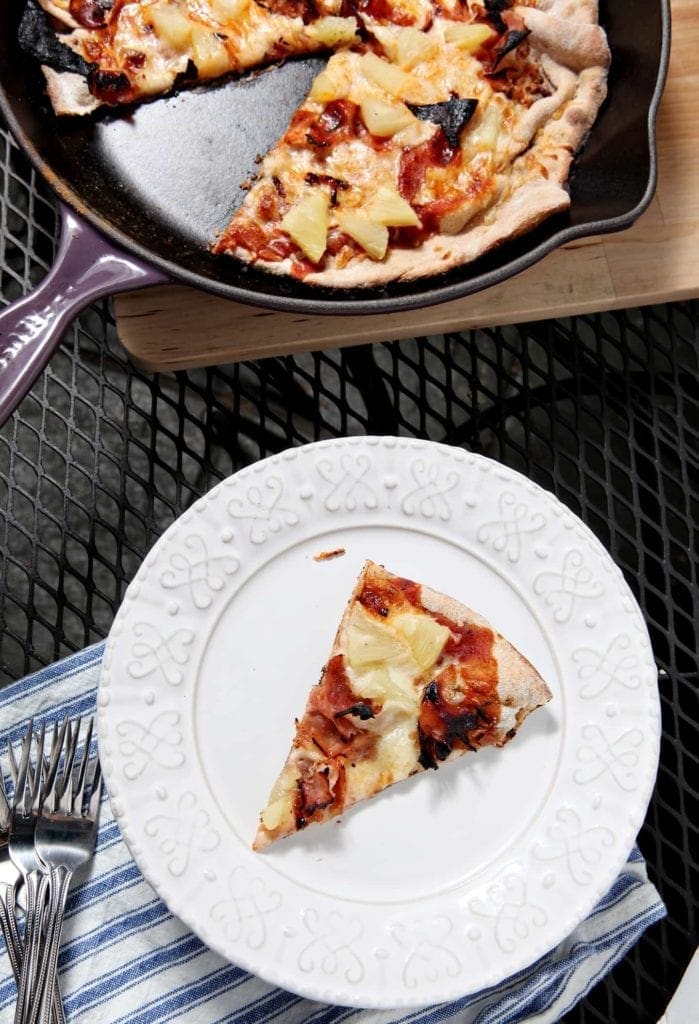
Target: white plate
444, 884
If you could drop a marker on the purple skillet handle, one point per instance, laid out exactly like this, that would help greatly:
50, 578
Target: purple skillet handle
87, 267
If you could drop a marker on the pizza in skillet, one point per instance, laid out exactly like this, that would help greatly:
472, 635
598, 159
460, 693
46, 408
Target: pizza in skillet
413, 679
437, 130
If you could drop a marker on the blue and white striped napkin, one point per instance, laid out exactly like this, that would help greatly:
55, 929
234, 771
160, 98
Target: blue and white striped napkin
126, 960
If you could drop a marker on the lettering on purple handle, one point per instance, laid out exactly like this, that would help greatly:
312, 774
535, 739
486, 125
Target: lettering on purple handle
30, 327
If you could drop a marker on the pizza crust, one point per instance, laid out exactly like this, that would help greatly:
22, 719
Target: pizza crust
69, 93
570, 41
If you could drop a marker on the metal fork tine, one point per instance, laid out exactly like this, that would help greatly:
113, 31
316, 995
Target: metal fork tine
79, 779
4, 802
64, 789
14, 770
35, 785
21, 789
96, 791
57, 741
46, 757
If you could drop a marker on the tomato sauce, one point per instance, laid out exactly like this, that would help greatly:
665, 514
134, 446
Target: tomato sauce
337, 122
383, 596
278, 247
382, 10
415, 160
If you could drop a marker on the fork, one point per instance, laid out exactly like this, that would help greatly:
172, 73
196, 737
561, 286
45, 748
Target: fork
10, 877
25, 858
65, 840
32, 786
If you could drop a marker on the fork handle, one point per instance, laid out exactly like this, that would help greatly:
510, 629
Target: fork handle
59, 884
8, 923
36, 887
13, 943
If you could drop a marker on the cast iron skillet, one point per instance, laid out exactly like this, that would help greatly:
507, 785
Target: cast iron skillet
143, 190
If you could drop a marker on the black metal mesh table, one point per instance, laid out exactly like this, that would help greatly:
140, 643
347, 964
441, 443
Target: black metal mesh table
602, 410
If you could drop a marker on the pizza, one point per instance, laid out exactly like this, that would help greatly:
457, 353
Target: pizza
436, 131
414, 679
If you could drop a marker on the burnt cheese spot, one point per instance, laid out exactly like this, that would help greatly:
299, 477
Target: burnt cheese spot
460, 707
494, 10
451, 115
91, 13
360, 710
111, 87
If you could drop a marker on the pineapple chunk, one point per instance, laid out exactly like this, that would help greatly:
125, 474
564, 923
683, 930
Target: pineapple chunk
425, 637
209, 53
388, 77
228, 12
333, 82
171, 25
385, 119
332, 31
405, 46
273, 815
412, 46
387, 35
372, 237
467, 37
383, 684
388, 207
380, 659
371, 643
307, 223
323, 88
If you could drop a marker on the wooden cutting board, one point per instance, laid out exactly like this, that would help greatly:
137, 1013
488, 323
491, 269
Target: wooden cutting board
174, 327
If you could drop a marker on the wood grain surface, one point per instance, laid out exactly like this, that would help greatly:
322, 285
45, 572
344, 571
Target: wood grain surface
174, 327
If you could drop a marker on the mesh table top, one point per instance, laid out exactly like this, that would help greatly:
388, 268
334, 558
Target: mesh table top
601, 410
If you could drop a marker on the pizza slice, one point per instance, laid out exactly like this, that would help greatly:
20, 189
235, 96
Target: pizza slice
97, 52
426, 146
413, 679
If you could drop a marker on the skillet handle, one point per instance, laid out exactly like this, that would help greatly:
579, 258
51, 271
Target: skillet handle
87, 267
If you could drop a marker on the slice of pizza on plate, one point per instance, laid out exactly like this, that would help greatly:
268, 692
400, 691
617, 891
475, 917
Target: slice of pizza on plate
414, 679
